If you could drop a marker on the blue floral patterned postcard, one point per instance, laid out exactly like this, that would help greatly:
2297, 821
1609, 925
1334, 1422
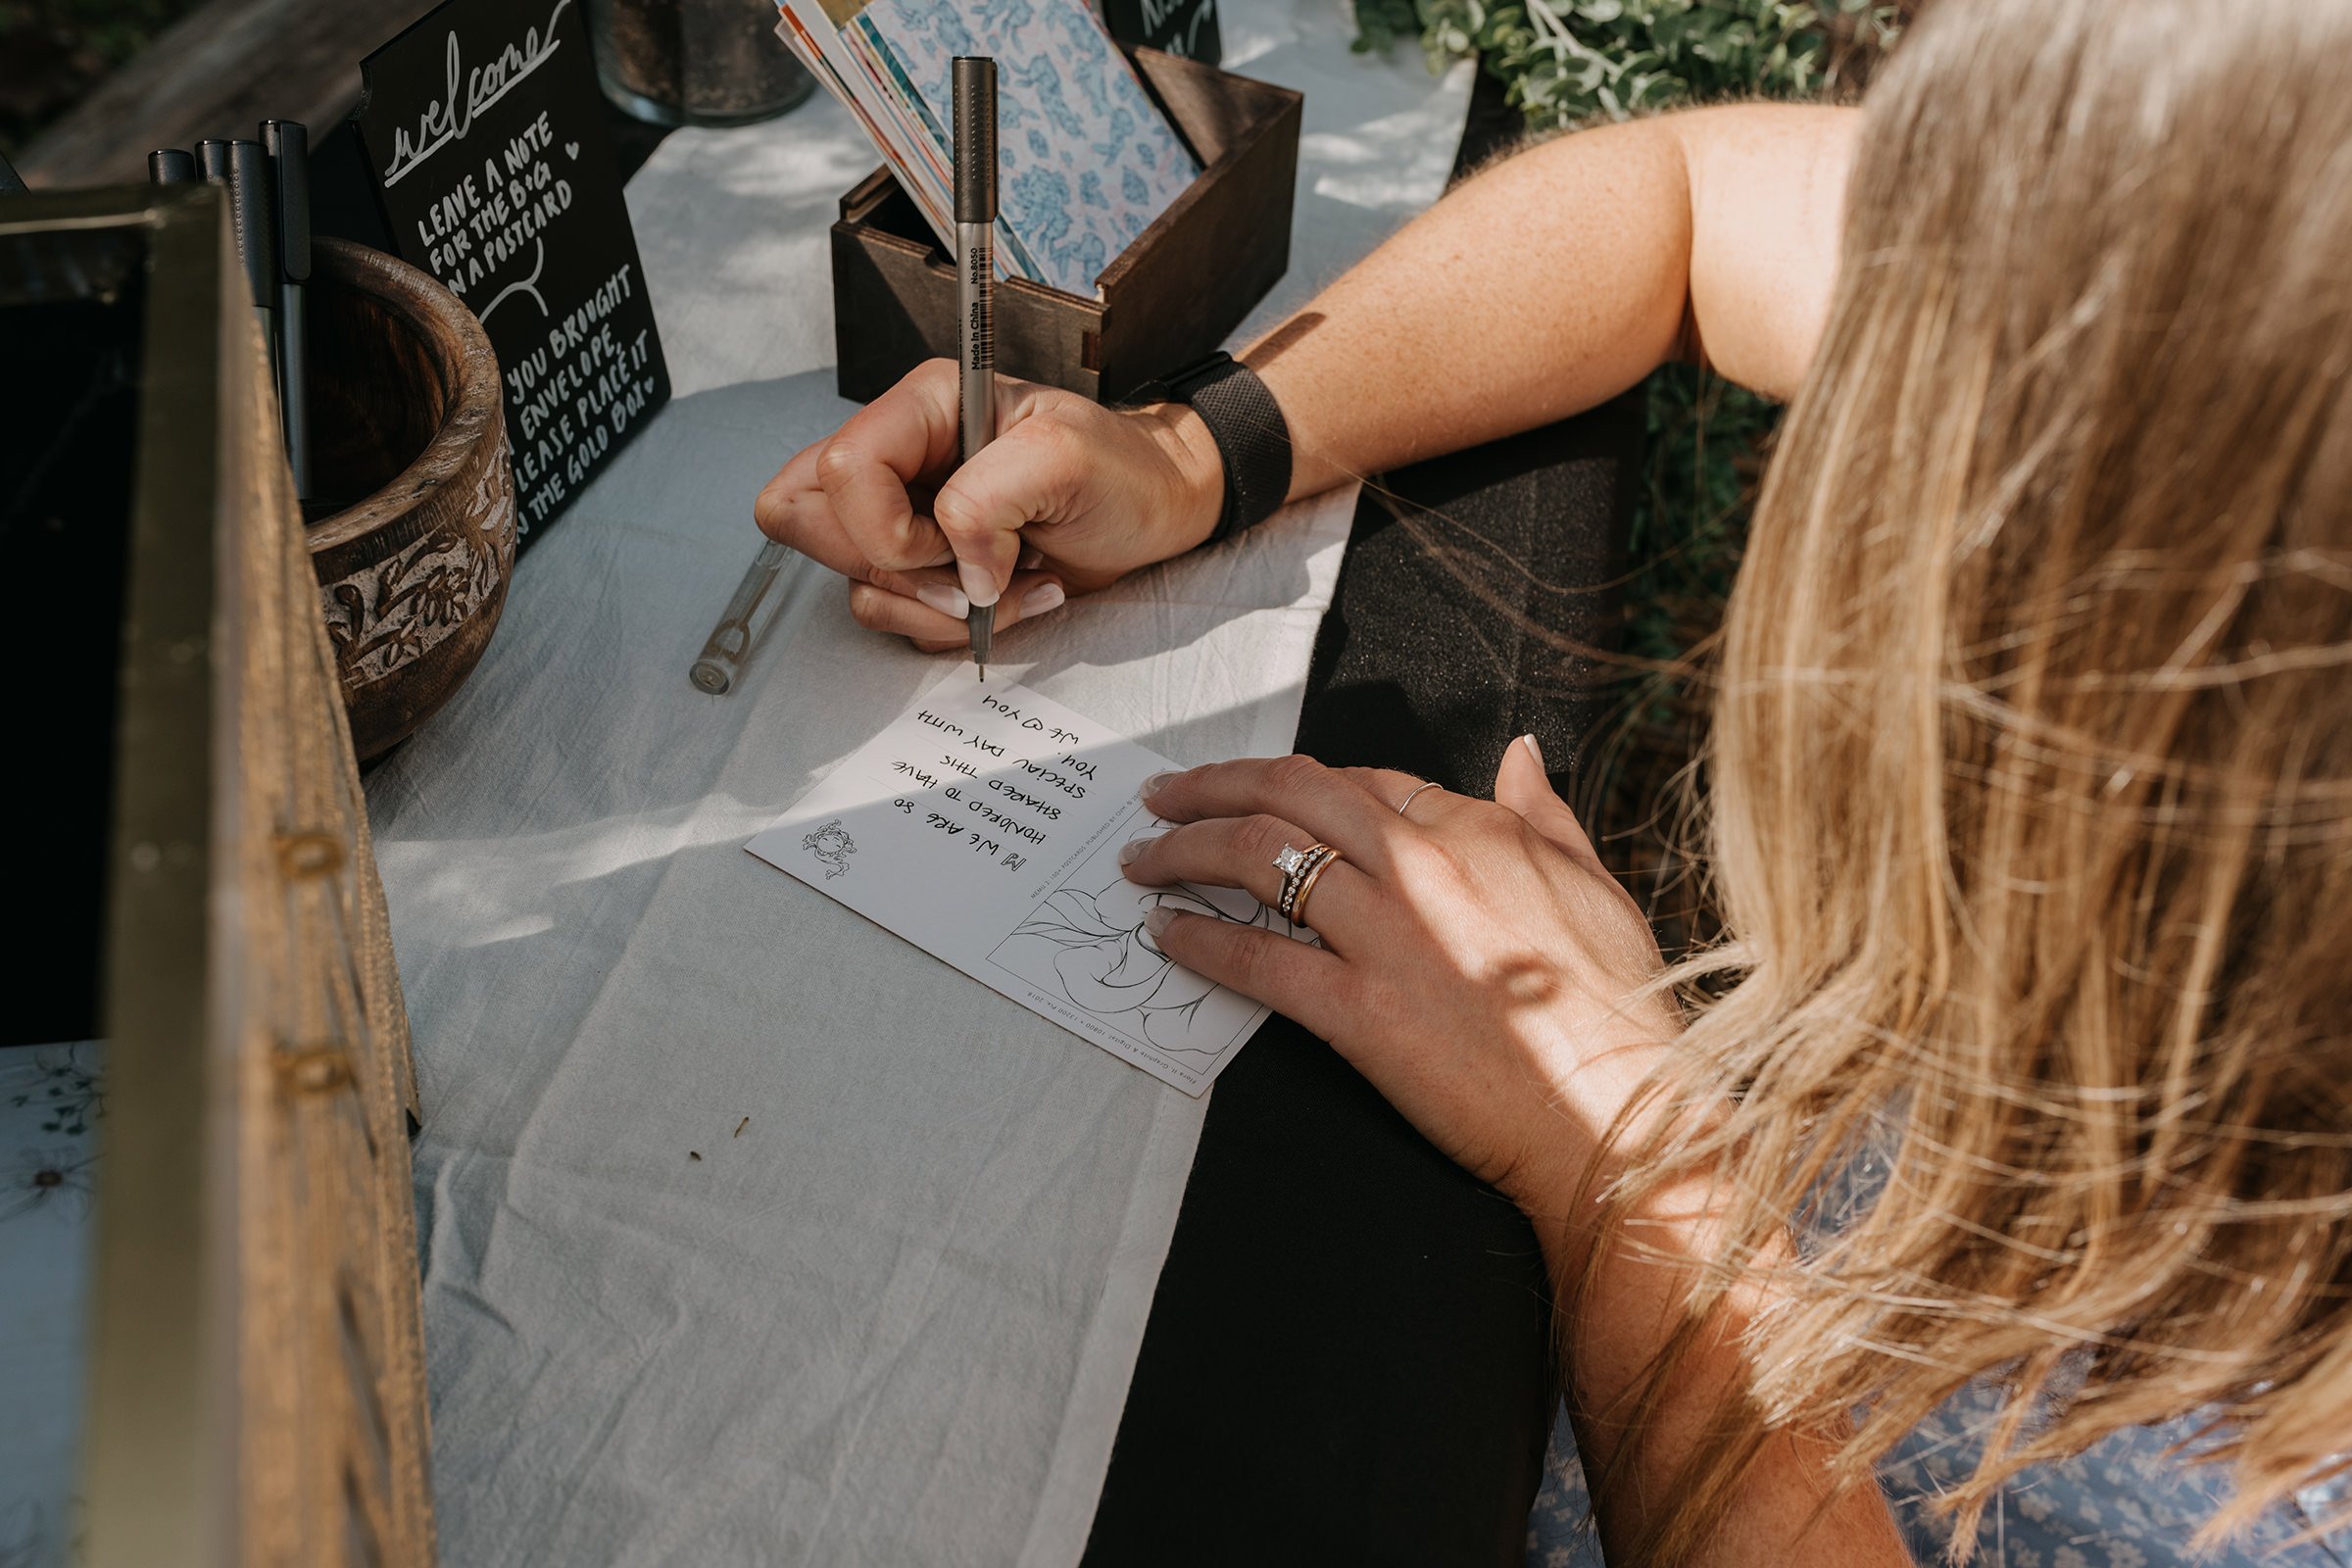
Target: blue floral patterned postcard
1085, 161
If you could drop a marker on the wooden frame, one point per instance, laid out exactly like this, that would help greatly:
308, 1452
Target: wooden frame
255, 1377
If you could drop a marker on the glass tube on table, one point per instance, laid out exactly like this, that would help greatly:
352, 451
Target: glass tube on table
739, 630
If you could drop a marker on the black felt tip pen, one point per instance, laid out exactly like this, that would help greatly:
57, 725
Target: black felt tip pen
975, 116
249, 209
288, 142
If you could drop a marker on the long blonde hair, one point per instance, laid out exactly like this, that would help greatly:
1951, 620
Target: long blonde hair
2031, 771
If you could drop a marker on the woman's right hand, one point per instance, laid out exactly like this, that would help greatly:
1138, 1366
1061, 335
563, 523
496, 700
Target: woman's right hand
1067, 498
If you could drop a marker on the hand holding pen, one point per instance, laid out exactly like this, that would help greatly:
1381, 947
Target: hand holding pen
1065, 497
1019, 476
981, 576
1070, 494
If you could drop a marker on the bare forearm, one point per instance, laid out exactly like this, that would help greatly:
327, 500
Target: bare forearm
1562, 276
1546, 285
1634, 1303
1619, 1320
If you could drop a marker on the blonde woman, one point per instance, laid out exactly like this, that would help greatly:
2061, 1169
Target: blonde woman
2032, 768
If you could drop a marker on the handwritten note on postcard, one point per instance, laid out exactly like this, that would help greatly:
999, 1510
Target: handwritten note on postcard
984, 826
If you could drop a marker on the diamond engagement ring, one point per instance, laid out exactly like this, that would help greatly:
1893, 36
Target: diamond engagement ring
1294, 903
1290, 862
1300, 868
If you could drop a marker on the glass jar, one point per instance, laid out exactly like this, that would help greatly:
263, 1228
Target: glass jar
695, 62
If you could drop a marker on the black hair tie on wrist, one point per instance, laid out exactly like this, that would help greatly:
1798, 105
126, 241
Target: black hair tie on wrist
1247, 424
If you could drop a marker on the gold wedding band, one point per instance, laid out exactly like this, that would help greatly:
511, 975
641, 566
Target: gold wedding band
1298, 868
1295, 911
1416, 794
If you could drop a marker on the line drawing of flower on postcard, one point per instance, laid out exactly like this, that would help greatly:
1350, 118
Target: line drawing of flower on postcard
832, 845
1085, 940
1107, 964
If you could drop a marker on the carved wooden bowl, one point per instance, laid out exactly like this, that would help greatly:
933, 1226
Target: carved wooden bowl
414, 505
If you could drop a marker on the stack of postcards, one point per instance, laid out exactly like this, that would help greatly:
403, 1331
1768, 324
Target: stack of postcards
1085, 159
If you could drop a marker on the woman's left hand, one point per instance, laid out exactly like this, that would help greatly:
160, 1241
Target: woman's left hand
1478, 966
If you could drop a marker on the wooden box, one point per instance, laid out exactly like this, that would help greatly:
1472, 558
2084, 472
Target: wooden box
254, 1378
1167, 300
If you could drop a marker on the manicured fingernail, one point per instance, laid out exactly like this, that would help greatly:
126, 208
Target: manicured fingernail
1042, 598
1130, 849
1030, 557
1528, 740
1156, 923
944, 599
978, 586
1151, 785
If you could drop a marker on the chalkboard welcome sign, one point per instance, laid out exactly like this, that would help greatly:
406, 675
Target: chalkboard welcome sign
1187, 28
484, 134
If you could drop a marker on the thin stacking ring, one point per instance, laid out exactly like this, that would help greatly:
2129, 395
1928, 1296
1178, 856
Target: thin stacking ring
1415, 795
1299, 869
1294, 865
1293, 890
1296, 910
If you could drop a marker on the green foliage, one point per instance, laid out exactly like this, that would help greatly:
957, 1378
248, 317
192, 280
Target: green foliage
1566, 61
111, 31
1704, 452
52, 52
1379, 24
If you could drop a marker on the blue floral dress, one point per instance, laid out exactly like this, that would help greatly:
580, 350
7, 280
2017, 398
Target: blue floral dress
2130, 1502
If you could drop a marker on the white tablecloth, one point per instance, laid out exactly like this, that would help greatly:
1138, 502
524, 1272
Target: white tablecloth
892, 1318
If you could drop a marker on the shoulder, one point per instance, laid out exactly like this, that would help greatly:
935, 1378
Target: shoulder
1766, 186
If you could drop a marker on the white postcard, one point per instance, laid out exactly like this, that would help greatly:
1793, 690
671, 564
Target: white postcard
984, 826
